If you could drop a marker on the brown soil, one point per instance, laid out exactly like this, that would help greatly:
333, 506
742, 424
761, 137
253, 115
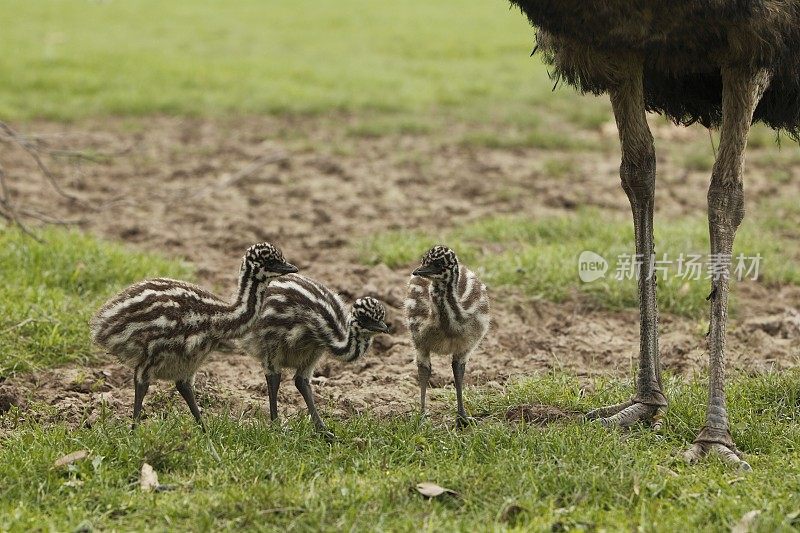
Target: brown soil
179, 187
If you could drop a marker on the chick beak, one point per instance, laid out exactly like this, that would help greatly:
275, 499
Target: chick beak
425, 271
378, 326
284, 268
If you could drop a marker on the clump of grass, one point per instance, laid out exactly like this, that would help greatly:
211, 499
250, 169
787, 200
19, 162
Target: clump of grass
50, 289
396, 248
700, 160
786, 157
541, 256
567, 475
781, 175
591, 114
761, 136
560, 167
533, 138
368, 127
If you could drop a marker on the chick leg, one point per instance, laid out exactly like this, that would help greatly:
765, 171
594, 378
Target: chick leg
184, 387
423, 377
141, 382
459, 369
304, 386
140, 389
273, 383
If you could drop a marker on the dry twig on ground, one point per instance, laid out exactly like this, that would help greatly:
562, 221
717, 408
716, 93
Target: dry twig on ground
37, 150
231, 180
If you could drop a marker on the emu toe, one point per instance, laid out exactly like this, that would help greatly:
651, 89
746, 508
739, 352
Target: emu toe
325, 433
628, 414
729, 454
463, 421
716, 440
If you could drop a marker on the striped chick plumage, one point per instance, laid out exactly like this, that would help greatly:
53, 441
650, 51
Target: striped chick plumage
165, 328
447, 312
301, 321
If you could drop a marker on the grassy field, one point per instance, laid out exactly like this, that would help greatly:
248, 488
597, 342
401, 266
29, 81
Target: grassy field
75, 58
50, 289
564, 477
541, 256
457, 72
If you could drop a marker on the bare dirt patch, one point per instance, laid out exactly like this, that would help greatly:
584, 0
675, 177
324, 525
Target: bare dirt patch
204, 190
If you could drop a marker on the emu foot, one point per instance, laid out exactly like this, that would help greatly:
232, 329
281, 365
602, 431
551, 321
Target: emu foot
325, 433
716, 441
628, 413
464, 421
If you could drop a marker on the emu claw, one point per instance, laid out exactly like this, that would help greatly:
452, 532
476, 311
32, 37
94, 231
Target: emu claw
326, 434
729, 454
465, 421
628, 413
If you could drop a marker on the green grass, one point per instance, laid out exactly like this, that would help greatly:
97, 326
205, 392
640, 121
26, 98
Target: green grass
541, 256
700, 158
397, 70
50, 289
69, 59
545, 139
560, 167
567, 476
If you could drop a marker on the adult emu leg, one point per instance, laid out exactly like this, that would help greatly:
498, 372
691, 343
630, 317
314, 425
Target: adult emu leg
741, 92
638, 173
